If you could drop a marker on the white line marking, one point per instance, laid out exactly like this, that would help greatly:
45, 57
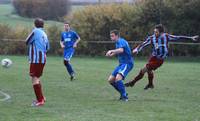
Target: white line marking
6, 96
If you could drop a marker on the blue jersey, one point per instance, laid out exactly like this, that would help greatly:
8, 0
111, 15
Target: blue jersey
38, 46
160, 44
125, 57
69, 38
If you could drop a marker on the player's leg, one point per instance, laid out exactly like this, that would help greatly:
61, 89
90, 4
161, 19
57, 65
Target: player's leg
112, 78
153, 64
150, 78
69, 68
112, 82
35, 73
67, 56
122, 73
37, 89
139, 76
121, 87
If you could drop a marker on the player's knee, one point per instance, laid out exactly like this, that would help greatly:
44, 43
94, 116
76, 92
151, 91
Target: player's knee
66, 62
119, 77
35, 80
144, 70
111, 79
150, 72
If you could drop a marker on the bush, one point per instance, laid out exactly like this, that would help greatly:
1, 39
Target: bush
13, 39
54, 33
93, 23
136, 21
46, 9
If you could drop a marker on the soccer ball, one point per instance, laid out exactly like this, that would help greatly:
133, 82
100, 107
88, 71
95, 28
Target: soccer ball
6, 63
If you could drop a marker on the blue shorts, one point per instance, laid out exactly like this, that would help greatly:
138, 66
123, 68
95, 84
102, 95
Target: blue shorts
122, 69
68, 53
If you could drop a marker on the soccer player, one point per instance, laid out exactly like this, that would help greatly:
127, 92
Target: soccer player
125, 58
69, 41
38, 46
159, 41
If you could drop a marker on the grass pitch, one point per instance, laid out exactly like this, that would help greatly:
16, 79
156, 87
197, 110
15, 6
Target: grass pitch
176, 96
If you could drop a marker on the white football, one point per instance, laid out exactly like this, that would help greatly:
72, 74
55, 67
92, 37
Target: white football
6, 63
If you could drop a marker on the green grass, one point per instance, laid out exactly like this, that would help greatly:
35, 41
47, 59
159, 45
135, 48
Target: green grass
176, 96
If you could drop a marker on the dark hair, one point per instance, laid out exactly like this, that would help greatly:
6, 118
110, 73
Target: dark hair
160, 28
67, 23
39, 23
116, 32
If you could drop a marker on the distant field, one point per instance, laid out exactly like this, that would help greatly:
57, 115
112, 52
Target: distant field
176, 96
7, 17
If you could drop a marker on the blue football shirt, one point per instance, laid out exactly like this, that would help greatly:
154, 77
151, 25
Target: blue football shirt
69, 38
126, 56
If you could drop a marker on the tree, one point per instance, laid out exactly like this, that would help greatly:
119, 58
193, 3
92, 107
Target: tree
46, 9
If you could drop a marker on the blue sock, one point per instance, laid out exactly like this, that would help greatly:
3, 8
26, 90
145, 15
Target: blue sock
69, 68
121, 87
115, 86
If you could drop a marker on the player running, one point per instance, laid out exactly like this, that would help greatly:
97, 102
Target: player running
159, 41
123, 52
69, 41
38, 45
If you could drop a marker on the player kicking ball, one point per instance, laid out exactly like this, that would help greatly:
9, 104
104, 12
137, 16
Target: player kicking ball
38, 45
69, 41
123, 52
159, 41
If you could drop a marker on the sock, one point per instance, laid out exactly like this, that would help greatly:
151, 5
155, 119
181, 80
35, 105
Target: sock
38, 92
115, 86
121, 87
150, 77
138, 77
69, 69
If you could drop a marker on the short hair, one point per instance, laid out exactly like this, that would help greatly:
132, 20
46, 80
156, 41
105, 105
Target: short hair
160, 28
116, 32
67, 23
39, 23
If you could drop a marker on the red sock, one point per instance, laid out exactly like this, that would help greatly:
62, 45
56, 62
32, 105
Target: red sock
139, 76
38, 92
150, 77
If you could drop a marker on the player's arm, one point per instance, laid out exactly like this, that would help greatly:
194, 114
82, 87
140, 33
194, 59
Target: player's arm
114, 52
62, 42
29, 39
47, 45
141, 46
77, 41
174, 37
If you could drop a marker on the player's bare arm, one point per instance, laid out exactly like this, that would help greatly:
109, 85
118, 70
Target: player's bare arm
76, 43
62, 44
114, 52
135, 51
